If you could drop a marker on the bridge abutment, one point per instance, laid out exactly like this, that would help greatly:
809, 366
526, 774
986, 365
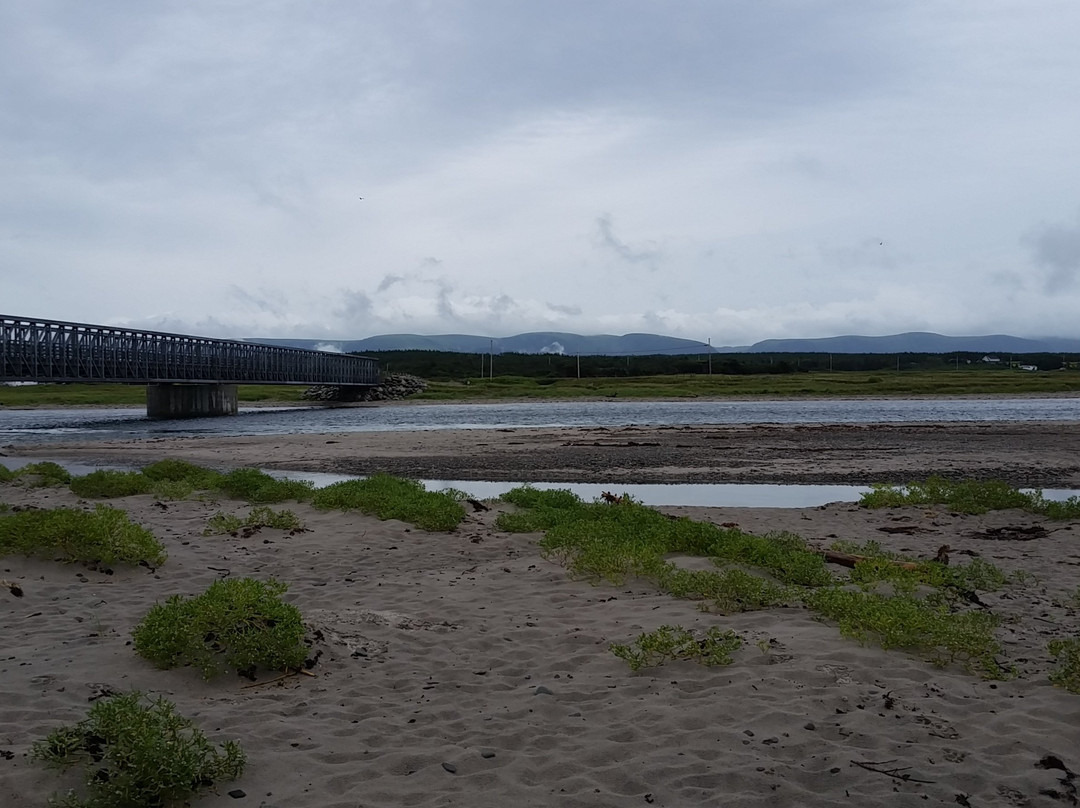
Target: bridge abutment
190, 400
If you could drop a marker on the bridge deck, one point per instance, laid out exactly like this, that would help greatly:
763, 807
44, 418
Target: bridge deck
56, 351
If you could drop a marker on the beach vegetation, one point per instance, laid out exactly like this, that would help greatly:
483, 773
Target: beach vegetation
255, 486
197, 477
6, 474
1066, 652
666, 643
239, 623
43, 475
922, 627
907, 574
171, 489
108, 484
104, 535
968, 496
137, 752
223, 523
390, 497
604, 541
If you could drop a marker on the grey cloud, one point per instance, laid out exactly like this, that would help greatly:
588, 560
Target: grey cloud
1057, 247
259, 302
640, 254
353, 306
389, 281
572, 311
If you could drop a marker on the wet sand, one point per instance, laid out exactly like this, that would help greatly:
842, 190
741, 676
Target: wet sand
1040, 454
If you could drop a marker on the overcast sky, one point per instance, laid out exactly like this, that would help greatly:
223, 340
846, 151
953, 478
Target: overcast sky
726, 171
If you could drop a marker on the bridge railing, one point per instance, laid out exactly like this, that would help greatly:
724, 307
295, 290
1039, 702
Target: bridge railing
52, 350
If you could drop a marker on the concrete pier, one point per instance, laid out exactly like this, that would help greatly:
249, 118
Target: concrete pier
190, 400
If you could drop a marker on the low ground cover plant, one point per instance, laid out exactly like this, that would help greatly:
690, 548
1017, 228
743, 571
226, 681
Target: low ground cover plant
652, 648
957, 579
611, 541
970, 496
6, 474
240, 623
918, 626
137, 753
1066, 652
108, 484
255, 486
43, 475
393, 498
104, 535
222, 523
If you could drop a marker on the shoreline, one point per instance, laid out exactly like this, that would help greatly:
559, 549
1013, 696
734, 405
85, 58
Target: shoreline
1024, 454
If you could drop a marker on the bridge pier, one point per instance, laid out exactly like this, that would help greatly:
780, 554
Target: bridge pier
190, 400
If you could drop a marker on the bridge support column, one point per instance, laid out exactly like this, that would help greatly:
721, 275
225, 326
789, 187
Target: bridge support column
190, 400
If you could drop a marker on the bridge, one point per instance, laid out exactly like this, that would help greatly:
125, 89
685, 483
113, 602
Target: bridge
186, 376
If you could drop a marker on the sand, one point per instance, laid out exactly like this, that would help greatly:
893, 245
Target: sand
465, 669
1028, 454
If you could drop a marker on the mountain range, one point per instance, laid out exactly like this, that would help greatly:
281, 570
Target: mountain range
554, 342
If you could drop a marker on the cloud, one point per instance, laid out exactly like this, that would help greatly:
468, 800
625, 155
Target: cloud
1057, 248
645, 253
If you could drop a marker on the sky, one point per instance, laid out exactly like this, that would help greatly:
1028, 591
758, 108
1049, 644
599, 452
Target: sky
720, 171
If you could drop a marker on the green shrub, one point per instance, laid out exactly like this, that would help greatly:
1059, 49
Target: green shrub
104, 534
675, 642
393, 498
241, 623
914, 625
6, 474
253, 485
1067, 654
525, 496
137, 753
177, 471
107, 484
44, 475
730, 591
171, 489
221, 523
973, 496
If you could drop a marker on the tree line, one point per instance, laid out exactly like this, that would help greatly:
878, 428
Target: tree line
447, 366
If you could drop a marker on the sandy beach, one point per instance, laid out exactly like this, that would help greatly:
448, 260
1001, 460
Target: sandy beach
1036, 454
465, 669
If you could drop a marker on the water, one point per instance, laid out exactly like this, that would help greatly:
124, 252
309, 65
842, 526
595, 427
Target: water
44, 426
729, 495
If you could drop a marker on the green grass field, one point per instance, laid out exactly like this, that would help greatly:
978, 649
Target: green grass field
974, 382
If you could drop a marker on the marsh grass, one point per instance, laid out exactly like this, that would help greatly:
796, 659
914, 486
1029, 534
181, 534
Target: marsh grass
255, 486
182, 471
240, 623
652, 648
222, 523
104, 535
393, 498
1066, 652
136, 752
6, 474
970, 496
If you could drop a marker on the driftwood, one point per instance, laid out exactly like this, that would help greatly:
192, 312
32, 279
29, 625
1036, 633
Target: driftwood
850, 560
12, 587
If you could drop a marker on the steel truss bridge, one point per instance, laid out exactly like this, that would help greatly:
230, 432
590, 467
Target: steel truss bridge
55, 351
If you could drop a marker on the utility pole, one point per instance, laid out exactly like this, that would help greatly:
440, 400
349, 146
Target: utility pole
491, 360
709, 343
579, 366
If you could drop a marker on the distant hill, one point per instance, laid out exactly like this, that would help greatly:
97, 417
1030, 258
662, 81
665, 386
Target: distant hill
555, 342
540, 342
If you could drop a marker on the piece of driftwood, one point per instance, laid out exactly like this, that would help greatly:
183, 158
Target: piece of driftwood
12, 587
850, 560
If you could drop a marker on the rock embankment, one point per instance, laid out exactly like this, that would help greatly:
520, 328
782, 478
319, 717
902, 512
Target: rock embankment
394, 386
